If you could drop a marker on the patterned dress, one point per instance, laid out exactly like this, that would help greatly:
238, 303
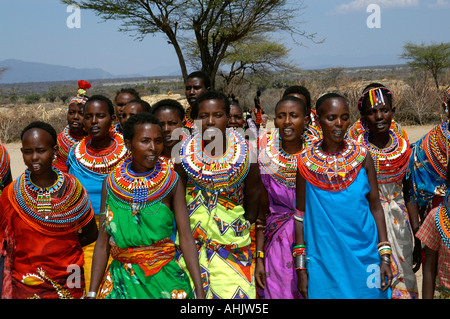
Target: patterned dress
215, 202
140, 226
44, 259
391, 165
428, 166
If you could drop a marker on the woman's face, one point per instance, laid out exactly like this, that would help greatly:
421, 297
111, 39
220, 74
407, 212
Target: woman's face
290, 121
122, 100
236, 118
334, 119
38, 151
97, 120
146, 146
129, 110
170, 120
213, 117
378, 118
75, 118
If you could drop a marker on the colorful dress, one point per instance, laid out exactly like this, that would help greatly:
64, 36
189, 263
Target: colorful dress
278, 175
435, 233
339, 229
65, 142
44, 258
91, 166
140, 225
391, 165
215, 203
428, 166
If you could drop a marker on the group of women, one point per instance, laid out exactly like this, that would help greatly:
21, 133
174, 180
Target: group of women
179, 203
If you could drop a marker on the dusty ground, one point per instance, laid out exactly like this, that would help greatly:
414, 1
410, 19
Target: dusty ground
17, 165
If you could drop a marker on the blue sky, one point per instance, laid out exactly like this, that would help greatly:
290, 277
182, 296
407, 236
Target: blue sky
36, 31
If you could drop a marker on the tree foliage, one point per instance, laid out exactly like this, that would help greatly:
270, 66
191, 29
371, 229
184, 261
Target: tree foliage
212, 25
433, 58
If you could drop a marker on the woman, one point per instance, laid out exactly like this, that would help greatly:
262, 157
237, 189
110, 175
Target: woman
74, 131
428, 164
197, 83
96, 155
339, 222
390, 153
141, 196
123, 96
45, 219
359, 127
275, 272
222, 191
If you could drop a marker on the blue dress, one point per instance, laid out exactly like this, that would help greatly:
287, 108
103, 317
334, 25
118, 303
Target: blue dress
341, 243
92, 181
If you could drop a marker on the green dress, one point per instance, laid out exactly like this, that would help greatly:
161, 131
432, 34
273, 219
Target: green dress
144, 265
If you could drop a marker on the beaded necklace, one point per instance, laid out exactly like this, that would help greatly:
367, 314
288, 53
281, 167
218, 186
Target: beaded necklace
100, 161
189, 121
391, 163
47, 212
277, 163
137, 191
216, 174
331, 171
443, 221
67, 141
437, 148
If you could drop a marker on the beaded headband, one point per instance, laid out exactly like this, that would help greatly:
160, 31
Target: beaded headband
375, 96
447, 95
82, 87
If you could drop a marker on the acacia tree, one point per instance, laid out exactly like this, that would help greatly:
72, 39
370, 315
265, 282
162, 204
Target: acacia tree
212, 24
434, 58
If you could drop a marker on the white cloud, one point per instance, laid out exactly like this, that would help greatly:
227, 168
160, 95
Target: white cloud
439, 4
361, 5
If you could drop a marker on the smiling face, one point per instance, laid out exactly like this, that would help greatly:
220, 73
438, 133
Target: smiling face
38, 150
290, 120
97, 120
194, 88
334, 119
146, 146
75, 118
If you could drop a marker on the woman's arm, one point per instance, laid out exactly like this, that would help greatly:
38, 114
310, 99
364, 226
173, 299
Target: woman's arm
187, 243
378, 214
102, 247
302, 275
252, 191
260, 272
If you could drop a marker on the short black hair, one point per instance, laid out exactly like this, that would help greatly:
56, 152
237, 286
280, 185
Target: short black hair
293, 99
169, 104
137, 119
129, 91
43, 126
210, 95
101, 98
372, 85
325, 97
201, 75
299, 89
145, 105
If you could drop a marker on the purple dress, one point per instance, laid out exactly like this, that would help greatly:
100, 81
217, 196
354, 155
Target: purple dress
279, 236
281, 277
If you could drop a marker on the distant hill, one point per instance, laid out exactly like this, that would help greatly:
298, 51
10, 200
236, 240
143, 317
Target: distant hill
21, 72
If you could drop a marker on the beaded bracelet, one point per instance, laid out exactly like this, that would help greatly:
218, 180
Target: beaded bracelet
384, 243
298, 215
258, 254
